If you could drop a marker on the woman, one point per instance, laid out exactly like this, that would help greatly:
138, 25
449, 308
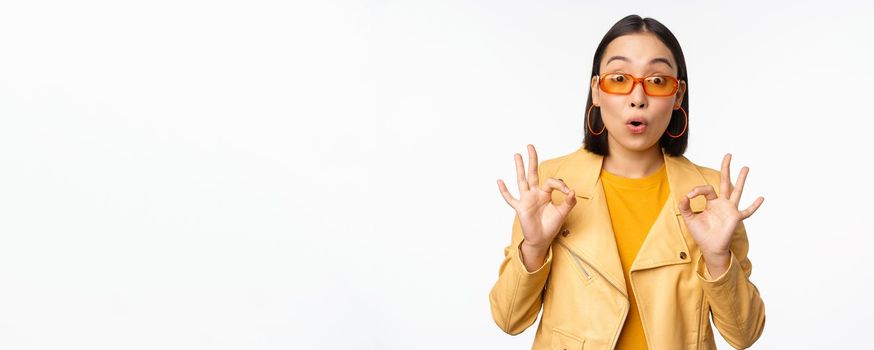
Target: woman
642, 246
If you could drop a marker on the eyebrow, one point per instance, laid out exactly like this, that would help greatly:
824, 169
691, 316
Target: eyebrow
654, 60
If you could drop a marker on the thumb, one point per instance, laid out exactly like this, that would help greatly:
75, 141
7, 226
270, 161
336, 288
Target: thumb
569, 201
685, 208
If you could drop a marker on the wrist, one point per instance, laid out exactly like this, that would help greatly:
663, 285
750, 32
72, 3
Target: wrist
532, 257
534, 248
717, 263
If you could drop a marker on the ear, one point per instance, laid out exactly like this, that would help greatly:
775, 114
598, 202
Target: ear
681, 92
596, 91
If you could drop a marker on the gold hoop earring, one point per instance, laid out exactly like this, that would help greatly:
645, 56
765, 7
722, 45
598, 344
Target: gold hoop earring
685, 126
590, 126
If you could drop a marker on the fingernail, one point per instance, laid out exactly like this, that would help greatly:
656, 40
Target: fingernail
689, 195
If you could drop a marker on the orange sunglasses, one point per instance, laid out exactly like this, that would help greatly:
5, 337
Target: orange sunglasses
623, 83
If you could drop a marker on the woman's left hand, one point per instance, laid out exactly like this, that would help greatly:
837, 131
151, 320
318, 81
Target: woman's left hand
712, 229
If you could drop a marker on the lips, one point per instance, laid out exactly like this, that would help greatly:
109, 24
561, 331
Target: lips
637, 125
636, 121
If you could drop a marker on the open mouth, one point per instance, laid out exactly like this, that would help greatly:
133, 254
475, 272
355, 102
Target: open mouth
637, 125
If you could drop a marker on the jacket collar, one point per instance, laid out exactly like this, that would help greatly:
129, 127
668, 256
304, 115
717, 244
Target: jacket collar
582, 171
590, 231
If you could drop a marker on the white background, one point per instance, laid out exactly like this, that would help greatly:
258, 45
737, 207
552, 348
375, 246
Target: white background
268, 175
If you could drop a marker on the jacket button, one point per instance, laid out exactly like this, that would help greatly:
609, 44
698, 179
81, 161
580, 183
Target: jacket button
683, 255
565, 232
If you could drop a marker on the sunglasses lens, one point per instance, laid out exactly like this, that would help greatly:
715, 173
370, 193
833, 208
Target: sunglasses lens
616, 83
659, 86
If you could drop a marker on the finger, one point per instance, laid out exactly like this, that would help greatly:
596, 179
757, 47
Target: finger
739, 187
752, 209
685, 209
532, 167
520, 173
506, 194
569, 201
706, 190
725, 176
554, 184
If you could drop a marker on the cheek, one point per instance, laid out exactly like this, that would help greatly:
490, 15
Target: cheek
612, 107
662, 110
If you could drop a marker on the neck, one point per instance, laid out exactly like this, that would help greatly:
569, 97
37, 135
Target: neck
633, 164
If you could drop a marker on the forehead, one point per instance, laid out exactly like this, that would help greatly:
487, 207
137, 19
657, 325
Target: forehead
639, 51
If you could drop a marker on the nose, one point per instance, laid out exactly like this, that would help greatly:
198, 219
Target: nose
637, 96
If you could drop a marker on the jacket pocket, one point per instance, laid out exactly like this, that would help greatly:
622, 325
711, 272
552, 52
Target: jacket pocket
577, 261
562, 340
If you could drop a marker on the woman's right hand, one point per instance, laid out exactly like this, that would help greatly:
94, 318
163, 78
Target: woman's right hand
539, 217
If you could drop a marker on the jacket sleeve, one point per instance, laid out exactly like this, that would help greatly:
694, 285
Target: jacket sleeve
735, 304
516, 297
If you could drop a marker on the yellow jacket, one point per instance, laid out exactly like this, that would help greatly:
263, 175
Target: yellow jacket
581, 287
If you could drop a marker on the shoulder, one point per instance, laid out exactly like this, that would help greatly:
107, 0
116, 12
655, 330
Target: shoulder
711, 175
551, 165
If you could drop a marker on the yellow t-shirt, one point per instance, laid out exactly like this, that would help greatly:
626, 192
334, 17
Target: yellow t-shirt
634, 205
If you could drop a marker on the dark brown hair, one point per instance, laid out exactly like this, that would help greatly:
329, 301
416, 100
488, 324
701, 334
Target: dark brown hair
632, 24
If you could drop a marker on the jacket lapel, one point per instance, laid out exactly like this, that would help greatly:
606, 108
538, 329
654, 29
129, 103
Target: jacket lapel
666, 244
589, 231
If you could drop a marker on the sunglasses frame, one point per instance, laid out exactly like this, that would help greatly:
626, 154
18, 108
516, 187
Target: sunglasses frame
636, 80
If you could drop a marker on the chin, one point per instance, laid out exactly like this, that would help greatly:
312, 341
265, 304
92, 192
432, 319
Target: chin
639, 145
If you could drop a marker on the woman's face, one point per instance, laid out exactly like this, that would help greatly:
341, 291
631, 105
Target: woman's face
641, 55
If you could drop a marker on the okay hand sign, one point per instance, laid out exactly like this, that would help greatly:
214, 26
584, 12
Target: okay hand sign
539, 217
712, 228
